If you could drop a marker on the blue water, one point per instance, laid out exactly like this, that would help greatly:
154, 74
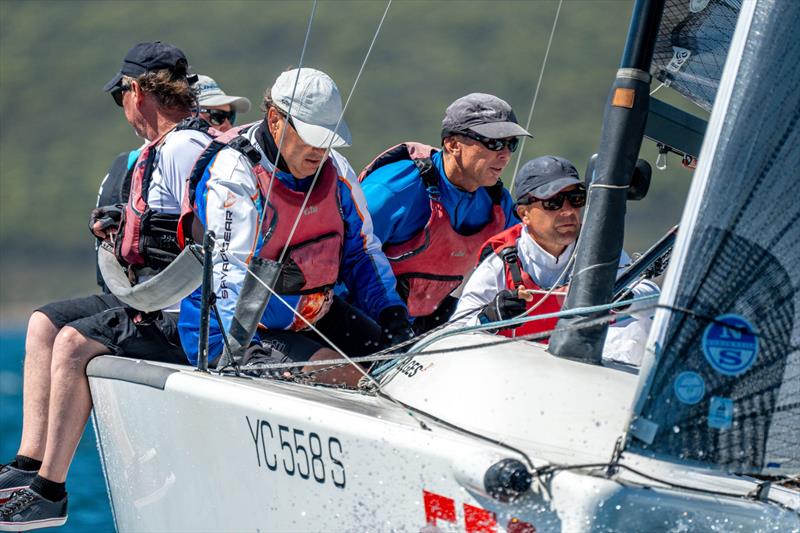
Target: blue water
89, 509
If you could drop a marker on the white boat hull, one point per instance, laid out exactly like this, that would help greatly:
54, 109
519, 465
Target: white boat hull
186, 451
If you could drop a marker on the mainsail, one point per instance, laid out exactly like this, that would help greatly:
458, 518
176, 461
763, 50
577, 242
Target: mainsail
692, 44
722, 383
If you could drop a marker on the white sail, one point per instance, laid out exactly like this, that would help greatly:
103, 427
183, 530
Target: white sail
723, 377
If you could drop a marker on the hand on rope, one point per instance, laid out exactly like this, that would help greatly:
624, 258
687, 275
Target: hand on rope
257, 358
395, 326
506, 305
104, 221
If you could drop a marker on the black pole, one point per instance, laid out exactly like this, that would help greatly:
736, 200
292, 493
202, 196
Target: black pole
603, 231
205, 300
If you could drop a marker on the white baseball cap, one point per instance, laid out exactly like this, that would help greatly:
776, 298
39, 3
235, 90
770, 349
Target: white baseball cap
316, 109
209, 93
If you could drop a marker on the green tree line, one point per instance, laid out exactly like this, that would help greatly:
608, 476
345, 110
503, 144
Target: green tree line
59, 132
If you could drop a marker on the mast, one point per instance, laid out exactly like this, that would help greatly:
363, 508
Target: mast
600, 243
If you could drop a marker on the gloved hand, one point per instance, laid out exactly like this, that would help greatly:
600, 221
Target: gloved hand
395, 326
258, 354
104, 220
506, 304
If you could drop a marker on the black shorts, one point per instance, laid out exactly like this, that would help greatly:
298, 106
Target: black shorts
346, 326
105, 319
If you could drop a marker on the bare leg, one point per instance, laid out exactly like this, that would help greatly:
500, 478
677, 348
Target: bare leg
344, 375
70, 400
36, 385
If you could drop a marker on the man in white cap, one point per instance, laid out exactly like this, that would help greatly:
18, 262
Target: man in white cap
217, 108
285, 197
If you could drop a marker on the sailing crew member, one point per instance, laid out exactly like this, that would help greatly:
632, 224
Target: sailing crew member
217, 108
332, 239
213, 105
153, 90
433, 209
521, 262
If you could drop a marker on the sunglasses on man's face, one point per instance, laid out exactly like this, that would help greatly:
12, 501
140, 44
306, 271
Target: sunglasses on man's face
217, 117
576, 199
495, 145
117, 92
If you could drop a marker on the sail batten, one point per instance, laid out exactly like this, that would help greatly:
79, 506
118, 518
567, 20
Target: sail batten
722, 387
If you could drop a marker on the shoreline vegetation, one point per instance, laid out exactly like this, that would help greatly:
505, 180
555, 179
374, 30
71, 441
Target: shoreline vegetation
58, 138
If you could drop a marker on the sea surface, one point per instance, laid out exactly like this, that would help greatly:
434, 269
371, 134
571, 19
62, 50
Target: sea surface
89, 509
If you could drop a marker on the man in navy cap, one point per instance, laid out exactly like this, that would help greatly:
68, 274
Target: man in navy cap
153, 90
432, 209
521, 265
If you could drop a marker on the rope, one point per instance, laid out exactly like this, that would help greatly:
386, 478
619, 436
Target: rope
536, 92
383, 356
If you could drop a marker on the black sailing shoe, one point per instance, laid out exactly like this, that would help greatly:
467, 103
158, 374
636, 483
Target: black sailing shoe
27, 510
12, 479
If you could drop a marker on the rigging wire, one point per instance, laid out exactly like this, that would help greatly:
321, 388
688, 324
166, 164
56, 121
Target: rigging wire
336, 129
291, 103
536, 92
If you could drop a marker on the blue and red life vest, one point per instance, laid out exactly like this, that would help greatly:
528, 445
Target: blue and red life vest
313, 255
430, 265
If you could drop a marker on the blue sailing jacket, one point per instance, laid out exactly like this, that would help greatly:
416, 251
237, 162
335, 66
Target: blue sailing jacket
399, 204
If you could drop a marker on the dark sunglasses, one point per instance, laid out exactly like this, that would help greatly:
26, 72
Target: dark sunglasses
217, 117
117, 92
576, 199
495, 145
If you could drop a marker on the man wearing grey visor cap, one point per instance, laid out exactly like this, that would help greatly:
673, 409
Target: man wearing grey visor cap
433, 209
520, 266
280, 193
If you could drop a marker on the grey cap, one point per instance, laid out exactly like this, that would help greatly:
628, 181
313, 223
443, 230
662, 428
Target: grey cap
544, 177
209, 93
484, 114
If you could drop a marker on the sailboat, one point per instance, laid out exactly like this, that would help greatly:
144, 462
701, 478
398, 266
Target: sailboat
472, 432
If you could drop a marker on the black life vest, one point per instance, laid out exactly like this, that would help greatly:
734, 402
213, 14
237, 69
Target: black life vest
110, 193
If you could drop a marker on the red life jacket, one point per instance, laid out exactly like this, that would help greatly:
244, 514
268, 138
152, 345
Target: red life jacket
147, 238
504, 245
430, 265
314, 253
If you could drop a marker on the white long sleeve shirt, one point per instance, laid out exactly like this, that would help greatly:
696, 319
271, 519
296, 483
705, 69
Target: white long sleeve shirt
546, 270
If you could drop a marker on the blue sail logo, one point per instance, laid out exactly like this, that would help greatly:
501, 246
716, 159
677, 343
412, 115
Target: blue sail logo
729, 344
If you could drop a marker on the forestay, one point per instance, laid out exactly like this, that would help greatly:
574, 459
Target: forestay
723, 378
692, 44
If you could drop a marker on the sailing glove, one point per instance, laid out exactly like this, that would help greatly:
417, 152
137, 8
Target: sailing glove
257, 356
507, 304
108, 216
395, 326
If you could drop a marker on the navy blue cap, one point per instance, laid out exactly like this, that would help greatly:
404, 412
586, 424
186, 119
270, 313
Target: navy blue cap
544, 177
485, 114
148, 57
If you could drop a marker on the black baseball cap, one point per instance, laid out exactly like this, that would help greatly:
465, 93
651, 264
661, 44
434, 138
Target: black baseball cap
485, 114
148, 57
544, 177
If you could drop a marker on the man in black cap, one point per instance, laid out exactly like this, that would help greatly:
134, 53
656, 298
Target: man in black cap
153, 89
432, 209
520, 265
